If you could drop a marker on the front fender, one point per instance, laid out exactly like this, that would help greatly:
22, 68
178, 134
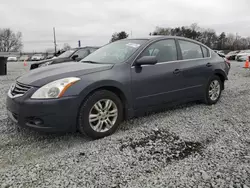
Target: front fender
83, 88
106, 84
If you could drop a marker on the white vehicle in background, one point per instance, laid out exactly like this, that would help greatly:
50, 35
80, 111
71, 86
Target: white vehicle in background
243, 58
24, 58
37, 57
220, 53
231, 55
242, 55
12, 58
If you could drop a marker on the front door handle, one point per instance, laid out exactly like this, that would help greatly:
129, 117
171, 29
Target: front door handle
209, 65
177, 71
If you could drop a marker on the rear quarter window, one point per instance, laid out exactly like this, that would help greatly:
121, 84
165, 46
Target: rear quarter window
205, 51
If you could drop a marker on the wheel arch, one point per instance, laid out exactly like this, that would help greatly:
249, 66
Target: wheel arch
112, 86
222, 75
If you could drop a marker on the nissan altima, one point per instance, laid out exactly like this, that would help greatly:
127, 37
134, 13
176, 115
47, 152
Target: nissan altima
118, 81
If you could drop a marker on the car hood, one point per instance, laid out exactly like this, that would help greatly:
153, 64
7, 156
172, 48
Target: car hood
44, 75
53, 59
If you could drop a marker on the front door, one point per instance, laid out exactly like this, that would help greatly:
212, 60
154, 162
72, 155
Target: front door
160, 83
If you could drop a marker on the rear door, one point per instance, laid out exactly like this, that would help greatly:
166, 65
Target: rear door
160, 83
195, 66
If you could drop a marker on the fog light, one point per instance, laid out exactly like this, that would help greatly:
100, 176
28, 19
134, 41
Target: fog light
38, 121
35, 121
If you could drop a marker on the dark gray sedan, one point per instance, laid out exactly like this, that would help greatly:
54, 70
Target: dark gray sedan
118, 81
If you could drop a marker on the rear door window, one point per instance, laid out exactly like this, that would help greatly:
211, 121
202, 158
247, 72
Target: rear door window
190, 50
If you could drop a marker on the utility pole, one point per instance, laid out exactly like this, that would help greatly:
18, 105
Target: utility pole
236, 41
54, 31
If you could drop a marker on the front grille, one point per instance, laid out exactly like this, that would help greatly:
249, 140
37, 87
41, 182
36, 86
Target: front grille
20, 89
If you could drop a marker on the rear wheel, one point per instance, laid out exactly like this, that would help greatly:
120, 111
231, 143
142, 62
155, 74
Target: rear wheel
213, 90
100, 114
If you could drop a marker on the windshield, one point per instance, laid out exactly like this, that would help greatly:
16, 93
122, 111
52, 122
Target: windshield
116, 52
68, 53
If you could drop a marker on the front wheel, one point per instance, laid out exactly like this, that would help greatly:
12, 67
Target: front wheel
213, 90
100, 114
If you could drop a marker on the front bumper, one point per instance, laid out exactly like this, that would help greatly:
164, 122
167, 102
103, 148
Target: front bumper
54, 115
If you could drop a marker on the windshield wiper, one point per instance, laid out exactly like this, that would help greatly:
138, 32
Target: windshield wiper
90, 62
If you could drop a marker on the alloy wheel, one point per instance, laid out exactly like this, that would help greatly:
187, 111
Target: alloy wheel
103, 115
214, 90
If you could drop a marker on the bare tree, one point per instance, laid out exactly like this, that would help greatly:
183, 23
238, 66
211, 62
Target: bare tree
230, 41
66, 47
248, 41
243, 43
10, 41
195, 27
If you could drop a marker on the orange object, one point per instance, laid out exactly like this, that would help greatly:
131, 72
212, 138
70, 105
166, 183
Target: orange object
246, 63
65, 88
24, 63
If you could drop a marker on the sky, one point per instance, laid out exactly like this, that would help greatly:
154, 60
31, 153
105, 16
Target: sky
94, 21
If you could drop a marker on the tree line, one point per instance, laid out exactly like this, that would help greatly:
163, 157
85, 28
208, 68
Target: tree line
11, 41
207, 36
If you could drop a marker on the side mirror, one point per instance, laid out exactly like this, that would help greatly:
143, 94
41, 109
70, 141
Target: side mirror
74, 57
146, 60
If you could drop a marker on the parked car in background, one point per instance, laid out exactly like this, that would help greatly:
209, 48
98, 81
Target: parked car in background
231, 55
13, 58
37, 57
242, 54
243, 58
49, 56
75, 54
24, 58
121, 80
220, 53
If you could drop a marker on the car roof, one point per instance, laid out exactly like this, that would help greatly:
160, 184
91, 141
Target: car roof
159, 37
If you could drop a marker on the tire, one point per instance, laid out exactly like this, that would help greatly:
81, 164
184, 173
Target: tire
88, 107
208, 99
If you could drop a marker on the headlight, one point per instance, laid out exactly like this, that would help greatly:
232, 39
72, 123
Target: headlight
54, 89
45, 64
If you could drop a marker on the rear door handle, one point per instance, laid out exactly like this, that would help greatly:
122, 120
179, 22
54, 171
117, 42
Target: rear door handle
209, 65
177, 71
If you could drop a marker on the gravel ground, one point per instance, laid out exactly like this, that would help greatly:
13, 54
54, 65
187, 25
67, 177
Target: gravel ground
192, 145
